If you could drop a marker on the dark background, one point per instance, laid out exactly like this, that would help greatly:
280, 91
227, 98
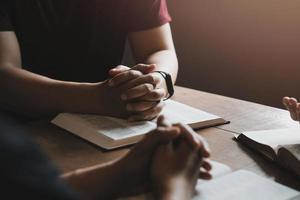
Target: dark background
247, 49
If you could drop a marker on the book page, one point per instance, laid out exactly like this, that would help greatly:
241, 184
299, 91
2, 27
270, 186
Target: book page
115, 128
177, 112
238, 185
218, 170
243, 185
274, 138
117, 132
295, 198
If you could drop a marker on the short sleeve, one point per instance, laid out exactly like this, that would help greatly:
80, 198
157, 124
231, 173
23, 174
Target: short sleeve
145, 14
5, 17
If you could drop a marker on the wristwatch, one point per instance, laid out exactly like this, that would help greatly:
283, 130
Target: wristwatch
169, 83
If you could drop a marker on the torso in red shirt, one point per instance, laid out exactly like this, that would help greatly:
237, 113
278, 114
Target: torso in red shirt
77, 40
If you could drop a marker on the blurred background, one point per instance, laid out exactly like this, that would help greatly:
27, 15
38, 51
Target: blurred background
247, 49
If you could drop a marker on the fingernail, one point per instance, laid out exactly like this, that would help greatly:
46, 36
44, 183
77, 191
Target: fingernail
123, 97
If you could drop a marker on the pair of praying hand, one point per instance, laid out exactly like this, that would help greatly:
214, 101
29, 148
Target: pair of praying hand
136, 93
167, 162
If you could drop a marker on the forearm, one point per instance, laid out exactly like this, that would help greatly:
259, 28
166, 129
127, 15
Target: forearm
98, 182
173, 196
166, 60
29, 93
174, 190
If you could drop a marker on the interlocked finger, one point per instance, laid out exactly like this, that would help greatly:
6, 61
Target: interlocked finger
137, 91
149, 78
124, 77
141, 106
155, 95
148, 114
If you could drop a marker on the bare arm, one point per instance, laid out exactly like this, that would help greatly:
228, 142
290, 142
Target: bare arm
35, 95
155, 46
97, 182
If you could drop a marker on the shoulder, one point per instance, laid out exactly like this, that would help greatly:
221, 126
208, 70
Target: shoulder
144, 14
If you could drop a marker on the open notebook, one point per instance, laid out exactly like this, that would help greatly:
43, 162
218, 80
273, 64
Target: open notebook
237, 185
110, 133
281, 146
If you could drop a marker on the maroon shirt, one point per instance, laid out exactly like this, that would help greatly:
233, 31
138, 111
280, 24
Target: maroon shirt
77, 40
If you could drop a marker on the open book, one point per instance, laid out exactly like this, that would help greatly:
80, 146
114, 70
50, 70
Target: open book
237, 185
281, 145
110, 133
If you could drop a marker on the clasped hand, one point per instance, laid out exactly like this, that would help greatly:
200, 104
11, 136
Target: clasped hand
171, 158
140, 89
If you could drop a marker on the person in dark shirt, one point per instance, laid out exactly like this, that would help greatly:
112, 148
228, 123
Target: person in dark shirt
56, 55
173, 159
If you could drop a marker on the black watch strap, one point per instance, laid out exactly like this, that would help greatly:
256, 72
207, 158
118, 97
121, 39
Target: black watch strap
169, 83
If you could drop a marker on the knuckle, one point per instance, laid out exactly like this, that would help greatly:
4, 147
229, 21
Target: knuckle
131, 73
148, 87
151, 78
126, 75
137, 73
157, 95
121, 67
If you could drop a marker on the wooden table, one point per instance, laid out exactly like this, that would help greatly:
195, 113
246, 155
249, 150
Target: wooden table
70, 152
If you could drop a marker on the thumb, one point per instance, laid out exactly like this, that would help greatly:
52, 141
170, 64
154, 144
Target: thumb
117, 70
162, 122
144, 68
